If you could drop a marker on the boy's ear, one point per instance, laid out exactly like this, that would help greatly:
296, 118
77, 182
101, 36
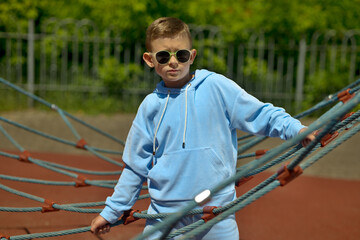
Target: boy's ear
148, 59
193, 55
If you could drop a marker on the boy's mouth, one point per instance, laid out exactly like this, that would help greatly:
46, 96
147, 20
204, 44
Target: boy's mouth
172, 71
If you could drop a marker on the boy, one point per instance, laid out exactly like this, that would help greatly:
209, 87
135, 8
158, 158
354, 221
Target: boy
183, 138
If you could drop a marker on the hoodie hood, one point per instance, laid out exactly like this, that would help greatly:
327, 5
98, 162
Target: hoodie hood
199, 77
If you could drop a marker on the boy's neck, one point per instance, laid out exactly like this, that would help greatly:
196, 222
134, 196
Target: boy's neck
180, 83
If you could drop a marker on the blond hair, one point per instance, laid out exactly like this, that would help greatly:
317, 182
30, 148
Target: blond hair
166, 27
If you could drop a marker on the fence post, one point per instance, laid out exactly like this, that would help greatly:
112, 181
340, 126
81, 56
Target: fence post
30, 61
299, 97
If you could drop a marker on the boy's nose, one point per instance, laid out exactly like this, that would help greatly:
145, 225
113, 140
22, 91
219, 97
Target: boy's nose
173, 60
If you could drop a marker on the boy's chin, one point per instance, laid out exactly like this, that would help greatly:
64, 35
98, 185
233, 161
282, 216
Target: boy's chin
174, 83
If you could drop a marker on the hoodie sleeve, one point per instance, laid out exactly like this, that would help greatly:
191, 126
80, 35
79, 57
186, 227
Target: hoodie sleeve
125, 194
139, 143
138, 158
253, 116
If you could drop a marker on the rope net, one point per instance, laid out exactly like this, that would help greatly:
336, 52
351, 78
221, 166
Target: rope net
333, 128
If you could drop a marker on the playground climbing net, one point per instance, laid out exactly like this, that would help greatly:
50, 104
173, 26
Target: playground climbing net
333, 128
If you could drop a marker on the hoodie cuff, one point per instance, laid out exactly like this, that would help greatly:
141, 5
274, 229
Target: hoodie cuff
296, 129
110, 215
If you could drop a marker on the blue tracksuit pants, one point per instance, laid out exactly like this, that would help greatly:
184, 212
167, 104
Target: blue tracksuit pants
224, 230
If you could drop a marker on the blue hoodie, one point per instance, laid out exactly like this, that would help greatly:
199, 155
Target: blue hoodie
183, 141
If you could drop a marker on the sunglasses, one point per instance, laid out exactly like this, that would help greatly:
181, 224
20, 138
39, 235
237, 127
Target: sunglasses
163, 57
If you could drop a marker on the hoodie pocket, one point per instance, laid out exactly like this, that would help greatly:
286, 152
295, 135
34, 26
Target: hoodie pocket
181, 175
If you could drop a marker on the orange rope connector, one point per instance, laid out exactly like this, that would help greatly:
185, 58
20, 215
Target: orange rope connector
327, 138
128, 216
345, 95
4, 236
243, 180
260, 153
285, 175
49, 206
208, 213
81, 144
346, 116
80, 181
24, 156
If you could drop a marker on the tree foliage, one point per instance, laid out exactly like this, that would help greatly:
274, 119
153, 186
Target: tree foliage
280, 18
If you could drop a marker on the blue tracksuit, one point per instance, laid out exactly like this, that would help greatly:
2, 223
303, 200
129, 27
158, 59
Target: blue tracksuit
183, 141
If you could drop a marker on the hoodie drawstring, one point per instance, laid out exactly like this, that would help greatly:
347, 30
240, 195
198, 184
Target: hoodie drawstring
158, 125
186, 106
162, 115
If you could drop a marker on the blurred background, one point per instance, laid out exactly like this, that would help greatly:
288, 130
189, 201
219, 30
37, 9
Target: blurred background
86, 55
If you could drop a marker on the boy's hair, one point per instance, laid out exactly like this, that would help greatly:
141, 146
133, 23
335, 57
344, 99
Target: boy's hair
166, 27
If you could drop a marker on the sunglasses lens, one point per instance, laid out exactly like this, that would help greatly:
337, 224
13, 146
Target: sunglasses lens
162, 57
183, 56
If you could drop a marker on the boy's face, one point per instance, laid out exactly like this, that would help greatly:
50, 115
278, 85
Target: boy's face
174, 73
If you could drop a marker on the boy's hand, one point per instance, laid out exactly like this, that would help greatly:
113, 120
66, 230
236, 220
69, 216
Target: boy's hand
99, 225
309, 138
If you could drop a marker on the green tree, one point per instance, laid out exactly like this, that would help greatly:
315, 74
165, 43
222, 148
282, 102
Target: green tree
281, 18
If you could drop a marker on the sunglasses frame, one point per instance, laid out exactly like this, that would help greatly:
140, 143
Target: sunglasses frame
172, 54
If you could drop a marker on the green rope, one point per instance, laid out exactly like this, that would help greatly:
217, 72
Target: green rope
54, 138
52, 106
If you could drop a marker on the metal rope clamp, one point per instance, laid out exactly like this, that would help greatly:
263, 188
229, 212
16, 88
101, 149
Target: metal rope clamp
128, 216
4, 236
81, 144
24, 156
327, 138
49, 206
208, 213
243, 180
285, 175
345, 95
80, 181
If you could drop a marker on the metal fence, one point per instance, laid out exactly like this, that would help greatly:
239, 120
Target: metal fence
71, 55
